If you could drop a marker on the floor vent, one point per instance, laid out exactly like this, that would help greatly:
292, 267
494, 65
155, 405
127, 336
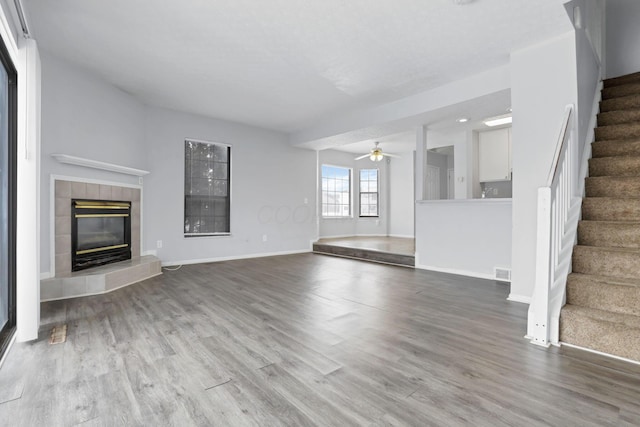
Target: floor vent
58, 335
503, 274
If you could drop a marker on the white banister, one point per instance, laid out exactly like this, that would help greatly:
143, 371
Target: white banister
558, 213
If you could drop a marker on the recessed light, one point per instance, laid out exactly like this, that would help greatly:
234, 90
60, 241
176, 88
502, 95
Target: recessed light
500, 120
462, 120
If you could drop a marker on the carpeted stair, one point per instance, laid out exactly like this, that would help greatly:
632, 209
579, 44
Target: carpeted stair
603, 291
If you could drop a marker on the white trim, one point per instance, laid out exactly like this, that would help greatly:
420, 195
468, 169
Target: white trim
103, 292
458, 272
202, 141
233, 258
95, 164
52, 212
402, 236
519, 298
47, 275
600, 353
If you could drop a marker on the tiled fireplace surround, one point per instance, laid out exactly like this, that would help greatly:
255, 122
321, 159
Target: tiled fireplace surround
102, 279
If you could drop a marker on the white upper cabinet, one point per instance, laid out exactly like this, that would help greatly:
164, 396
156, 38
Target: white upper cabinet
494, 155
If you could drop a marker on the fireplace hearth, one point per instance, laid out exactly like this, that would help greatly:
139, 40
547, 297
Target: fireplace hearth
100, 232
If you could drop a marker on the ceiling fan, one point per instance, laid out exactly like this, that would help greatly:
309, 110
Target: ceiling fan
376, 154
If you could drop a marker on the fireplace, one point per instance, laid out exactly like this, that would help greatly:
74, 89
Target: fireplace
100, 232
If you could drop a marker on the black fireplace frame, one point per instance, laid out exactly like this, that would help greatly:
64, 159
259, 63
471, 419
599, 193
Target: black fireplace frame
81, 208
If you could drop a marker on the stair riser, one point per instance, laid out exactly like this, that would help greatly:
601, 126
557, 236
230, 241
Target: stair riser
604, 296
603, 262
624, 103
612, 187
618, 117
600, 335
598, 209
616, 166
615, 148
609, 235
621, 90
622, 80
624, 131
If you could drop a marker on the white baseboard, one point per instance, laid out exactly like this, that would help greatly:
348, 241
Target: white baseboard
519, 298
457, 271
599, 353
232, 258
403, 236
45, 276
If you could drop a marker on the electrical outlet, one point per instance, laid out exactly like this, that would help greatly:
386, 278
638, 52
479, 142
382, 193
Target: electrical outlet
264, 237
159, 244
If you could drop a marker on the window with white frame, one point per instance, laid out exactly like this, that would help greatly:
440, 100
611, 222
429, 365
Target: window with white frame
369, 192
207, 184
336, 191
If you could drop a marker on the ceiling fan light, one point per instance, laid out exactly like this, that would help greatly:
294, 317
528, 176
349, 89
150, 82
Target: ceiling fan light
376, 157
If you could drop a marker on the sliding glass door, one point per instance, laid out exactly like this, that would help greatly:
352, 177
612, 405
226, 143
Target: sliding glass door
7, 198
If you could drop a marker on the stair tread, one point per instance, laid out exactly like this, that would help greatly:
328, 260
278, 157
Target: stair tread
608, 249
621, 80
608, 222
628, 320
606, 279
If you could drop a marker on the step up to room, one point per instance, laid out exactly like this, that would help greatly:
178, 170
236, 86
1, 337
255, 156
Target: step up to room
613, 262
604, 293
612, 333
616, 234
365, 254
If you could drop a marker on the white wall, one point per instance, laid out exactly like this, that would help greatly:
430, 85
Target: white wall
355, 226
468, 237
544, 81
401, 196
84, 116
622, 37
25, 57
270, 182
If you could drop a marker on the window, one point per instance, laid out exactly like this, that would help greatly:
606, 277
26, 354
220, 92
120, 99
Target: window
207, 184
336, 191
369, 192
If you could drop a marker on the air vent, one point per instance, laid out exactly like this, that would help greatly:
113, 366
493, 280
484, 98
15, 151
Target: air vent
503, 274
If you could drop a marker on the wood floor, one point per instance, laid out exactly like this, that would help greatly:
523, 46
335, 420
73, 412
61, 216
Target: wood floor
306, 340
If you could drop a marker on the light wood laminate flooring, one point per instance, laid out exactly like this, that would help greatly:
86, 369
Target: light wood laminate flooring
306, 340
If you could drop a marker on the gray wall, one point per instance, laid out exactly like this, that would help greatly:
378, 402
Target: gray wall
401, 196
622, 37
85, 116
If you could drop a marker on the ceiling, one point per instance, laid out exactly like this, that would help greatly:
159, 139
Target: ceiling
285, 64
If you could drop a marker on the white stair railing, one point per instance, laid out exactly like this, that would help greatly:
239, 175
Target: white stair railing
558, 215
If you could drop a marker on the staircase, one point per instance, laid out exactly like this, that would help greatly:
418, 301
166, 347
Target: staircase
603, 291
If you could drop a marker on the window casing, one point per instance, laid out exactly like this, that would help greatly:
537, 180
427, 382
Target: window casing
369, 193
207, 189
336, 192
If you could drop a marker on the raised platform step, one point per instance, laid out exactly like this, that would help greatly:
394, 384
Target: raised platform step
611, 209
612, 186
365, 254
618, 117
622, 80
604, 331
611, 234
100, 280
619, 147
604, 293
622, 263
629, 102
615, 166
619, 131
629, 88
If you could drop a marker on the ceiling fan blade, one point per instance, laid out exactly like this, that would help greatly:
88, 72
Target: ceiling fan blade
362, 157
392, 155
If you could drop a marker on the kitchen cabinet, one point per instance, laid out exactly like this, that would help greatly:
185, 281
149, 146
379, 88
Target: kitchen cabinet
494, 155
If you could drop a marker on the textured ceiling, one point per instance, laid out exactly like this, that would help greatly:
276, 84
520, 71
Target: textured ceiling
284, 64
